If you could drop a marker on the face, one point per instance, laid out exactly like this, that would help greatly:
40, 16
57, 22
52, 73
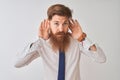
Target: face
59, 24
59, 38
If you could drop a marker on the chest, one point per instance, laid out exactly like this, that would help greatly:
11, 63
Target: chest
71, 56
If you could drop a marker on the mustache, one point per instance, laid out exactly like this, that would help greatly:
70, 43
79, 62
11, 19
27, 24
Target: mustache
60, 33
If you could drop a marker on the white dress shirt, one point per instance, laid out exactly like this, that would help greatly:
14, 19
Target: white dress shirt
43, 49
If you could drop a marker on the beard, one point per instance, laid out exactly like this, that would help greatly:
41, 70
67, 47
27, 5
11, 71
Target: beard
60, 41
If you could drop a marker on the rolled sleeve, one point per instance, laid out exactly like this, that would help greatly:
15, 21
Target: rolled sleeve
30, 52
97, 55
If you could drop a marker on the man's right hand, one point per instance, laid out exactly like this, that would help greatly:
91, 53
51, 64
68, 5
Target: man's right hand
44, 29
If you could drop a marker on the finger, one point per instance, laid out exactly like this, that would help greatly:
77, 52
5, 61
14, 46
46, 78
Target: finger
40, 28
77, 23
73, 24
44, 24
72, 21
47, 24
70, 25
79, 26
46, 21
71, 28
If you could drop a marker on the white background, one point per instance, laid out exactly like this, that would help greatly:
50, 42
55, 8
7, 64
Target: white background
19, 22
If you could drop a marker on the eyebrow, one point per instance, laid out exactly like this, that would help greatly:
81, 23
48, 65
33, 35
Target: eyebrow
55, 21
64, 21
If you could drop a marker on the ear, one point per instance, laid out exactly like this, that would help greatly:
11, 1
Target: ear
69, 30
49, 31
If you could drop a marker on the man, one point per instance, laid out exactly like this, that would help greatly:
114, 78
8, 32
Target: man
61, 43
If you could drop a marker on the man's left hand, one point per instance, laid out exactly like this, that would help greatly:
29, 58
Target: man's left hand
75, 28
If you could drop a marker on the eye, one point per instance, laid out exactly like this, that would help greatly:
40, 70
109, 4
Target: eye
57, 24
65, 24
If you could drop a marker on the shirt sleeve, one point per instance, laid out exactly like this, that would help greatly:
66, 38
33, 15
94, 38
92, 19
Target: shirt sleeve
97, 56
30, 52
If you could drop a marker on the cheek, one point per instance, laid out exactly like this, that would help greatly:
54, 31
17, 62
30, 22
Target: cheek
53, 29
66, 29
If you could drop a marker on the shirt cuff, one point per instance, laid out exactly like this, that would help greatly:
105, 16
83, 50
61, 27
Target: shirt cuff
87, 43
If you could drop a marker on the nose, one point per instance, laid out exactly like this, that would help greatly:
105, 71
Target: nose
60, 28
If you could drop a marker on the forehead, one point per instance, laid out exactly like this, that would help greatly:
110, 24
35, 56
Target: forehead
59, 18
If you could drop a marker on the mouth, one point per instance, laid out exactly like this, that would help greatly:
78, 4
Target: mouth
60, 35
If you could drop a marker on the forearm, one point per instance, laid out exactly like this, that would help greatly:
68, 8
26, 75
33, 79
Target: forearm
93, 50
26, 60
29, 53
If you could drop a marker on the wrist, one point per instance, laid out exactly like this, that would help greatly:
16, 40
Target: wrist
82, 37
